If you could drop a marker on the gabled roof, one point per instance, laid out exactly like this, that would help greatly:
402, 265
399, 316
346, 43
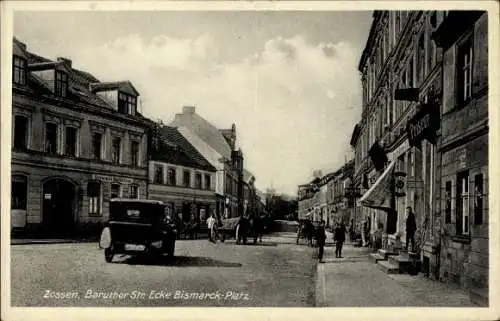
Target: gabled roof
173, 148
247, 176
205, 130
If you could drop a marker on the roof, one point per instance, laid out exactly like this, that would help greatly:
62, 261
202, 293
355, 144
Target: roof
205, 130
114, 85
173, 148
247, 175
78, 81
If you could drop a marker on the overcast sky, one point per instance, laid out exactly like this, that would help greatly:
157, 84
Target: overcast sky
288, 80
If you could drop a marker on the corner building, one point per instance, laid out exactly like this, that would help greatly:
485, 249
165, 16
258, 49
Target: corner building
76, 143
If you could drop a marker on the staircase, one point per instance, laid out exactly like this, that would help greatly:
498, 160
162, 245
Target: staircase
394, 263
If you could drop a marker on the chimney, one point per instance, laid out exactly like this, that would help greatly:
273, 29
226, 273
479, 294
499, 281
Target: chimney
66, 61
188, 109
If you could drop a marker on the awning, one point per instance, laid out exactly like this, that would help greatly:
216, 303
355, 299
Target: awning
379, 195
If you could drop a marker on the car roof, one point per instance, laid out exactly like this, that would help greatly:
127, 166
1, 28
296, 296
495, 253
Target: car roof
135, 200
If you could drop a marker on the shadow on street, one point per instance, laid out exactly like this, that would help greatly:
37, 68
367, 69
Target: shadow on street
180, 261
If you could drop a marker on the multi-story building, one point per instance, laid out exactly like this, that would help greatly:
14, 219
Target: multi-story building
339, 199
422, 141
401, 77
76, 143
463, 201
180, 177
219, 148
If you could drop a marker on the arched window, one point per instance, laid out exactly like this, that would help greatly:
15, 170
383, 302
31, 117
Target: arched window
19, 192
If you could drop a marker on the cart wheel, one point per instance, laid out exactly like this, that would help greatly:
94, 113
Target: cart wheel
109, 253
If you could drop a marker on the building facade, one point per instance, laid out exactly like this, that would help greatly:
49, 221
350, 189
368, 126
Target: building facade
219, 149
180, 177
424, 133
464, 146
76, 143
401, 77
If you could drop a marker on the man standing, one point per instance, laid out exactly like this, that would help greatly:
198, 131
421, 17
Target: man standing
339, 237
211, 228
320, 240
411, 227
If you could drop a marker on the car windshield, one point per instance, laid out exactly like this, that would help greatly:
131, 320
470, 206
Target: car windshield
136, 211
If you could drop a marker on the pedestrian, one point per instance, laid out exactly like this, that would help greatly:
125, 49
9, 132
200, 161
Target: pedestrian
411, 227
320, 240
339, 238
211, 228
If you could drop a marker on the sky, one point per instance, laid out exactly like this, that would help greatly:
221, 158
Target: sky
288, 80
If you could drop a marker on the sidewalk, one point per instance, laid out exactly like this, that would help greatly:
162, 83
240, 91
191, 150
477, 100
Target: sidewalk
354, 281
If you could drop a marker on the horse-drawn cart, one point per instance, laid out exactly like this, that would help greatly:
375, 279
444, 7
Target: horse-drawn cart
240, 228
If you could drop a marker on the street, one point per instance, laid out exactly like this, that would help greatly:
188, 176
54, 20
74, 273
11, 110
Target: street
277, 273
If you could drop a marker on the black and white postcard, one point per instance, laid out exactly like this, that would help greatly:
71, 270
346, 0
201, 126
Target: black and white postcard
337, 156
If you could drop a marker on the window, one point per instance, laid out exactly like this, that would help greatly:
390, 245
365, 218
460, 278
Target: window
70, 146
115, 190
478, 199
197, 180
186, 179
19, 70
20, 132
421, 58
127, 104
50, 138
447, 202
115, 150
158, 174
19, 192
464, 72
134, 191
134, 150
171, 179
94, 194
462, 209
208, 182
96, 145
61, 87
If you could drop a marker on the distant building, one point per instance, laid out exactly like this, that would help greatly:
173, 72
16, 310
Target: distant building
180, 177
76, 143
219, 148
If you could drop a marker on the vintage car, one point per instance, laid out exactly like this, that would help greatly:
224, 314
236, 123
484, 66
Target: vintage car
137, 225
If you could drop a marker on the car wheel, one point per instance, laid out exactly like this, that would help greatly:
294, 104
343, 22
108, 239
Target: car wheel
109, 253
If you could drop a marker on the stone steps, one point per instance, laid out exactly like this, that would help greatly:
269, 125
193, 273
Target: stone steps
388, 267
375, 257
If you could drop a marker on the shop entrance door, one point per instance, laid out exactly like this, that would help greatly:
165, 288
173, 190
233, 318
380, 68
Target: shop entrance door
58, 198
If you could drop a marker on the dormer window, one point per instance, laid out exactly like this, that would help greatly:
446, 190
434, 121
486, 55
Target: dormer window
19, 70
61, 86
127, 104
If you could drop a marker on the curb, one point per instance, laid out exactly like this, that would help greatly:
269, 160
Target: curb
36, 241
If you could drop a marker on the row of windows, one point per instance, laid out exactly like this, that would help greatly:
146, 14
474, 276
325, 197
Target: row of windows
127, 104
65, 141
19, 193
171, 178
388, 110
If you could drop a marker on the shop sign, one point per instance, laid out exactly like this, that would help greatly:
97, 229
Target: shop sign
47, 196
398, 151
112, 179
399, 184
423, 125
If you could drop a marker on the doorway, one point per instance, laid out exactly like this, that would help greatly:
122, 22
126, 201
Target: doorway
58, 197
